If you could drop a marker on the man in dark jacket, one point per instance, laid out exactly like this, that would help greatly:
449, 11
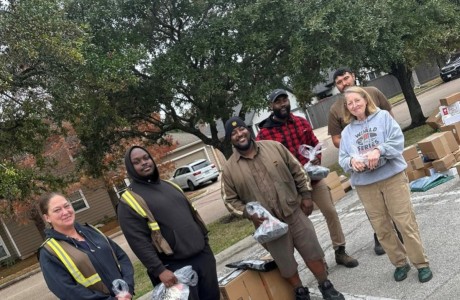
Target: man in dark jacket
293, 131
180, 234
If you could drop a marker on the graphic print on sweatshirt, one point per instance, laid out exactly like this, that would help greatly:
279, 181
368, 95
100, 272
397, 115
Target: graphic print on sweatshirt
366, 140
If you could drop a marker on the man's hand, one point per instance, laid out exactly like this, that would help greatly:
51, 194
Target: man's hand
168, 278
307, 206
257, 220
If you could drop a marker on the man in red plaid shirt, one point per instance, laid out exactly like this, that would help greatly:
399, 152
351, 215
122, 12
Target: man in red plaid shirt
293, 131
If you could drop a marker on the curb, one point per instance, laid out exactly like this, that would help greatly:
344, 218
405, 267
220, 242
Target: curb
19, 278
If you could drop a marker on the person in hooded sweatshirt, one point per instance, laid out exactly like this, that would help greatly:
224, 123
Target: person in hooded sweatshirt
371, 150
78, 261
163, 229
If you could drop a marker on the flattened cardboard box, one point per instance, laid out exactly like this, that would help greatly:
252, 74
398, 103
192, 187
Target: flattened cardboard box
242, 285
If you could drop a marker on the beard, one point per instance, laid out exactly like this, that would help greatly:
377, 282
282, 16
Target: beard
282, 115
243, 147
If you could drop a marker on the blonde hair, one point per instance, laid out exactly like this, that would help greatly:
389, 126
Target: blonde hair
370, 105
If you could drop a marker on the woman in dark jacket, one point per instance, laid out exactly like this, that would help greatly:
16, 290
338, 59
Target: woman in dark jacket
79, 262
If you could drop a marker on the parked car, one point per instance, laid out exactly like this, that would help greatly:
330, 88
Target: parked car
452, 68
195, 174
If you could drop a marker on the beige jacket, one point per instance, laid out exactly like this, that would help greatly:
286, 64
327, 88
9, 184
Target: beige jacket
291, 182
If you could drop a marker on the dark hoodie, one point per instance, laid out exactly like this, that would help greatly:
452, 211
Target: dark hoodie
171, 210
63, 285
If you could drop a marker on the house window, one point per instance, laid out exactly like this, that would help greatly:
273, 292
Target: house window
120, 188
78, 201
4, 253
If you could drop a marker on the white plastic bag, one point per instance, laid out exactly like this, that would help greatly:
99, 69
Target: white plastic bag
315, 172
186, 277
271, 229
120, 288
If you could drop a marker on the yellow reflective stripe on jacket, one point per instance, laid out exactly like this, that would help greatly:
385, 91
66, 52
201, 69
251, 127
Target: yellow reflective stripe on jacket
138, 209
133, 203
153, 226
71, 267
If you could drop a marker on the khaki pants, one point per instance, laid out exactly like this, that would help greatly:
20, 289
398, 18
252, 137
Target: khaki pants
301, 236
389, 200
321, 196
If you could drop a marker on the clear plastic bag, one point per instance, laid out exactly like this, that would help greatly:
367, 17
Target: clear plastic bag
120, 288
271, 229
315, 172
186, 277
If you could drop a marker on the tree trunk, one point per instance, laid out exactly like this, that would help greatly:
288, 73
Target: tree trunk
225, 147
36, 217
403, 74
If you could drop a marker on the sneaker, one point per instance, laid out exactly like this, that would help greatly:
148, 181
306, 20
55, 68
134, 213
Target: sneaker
378, 249
329, 292
401, 272
424, 274
342, 258
302, 293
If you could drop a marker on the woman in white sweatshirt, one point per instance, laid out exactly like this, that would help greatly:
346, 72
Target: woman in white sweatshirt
371, 150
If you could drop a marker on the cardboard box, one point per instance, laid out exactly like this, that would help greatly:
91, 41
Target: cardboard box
415, 174
450, 99
454, 128
457, 166
242, 285
346, 186
438, 145
444, 163
451, 119
434, 120
416, 163
410, 153
276, 286
337, 194
430, 171
332, 180
457, 155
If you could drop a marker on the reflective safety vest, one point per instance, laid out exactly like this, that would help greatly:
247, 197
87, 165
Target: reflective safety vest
138, 204
77, 263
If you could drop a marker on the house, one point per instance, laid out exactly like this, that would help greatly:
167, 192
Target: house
190, 148
91, 204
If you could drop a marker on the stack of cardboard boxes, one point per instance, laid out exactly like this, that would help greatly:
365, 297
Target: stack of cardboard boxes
439, 152
447, 113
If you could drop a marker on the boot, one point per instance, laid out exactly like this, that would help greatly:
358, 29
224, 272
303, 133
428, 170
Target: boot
329, 292
342, 258
378, 249
302, 293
